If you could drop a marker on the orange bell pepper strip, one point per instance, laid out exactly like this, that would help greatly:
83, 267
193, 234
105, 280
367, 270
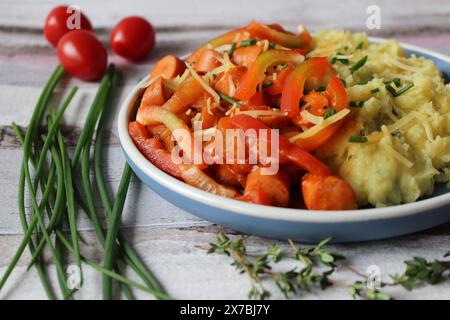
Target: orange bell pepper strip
246, 56
168, 67
273, 121
289, 152
315, 103
226, 38
327, 193
295, 83
226, 175
152, 149
283, 38
276, 186
188, 92
208, 60
223, 80
256, 74
256, 197
150, 115
337, 97
277, 85
154, 95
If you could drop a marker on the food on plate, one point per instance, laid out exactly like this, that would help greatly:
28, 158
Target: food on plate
133, 38
329, 119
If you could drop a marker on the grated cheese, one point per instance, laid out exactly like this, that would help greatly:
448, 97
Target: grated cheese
311, 117
205, 85
396, 62
232, 109
208, 106
149, 82
231, 87
259, 113
319, 127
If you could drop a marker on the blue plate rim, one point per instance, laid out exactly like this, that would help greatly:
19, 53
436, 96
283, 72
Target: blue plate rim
268, 212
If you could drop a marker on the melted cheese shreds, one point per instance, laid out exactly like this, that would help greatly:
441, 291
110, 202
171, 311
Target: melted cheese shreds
264, 43
208, 106
205, 85
311, 117
394, 153
396, 62
411, 116
319, 127
149, 82
261, 113
222, 48
231, 87
232, 109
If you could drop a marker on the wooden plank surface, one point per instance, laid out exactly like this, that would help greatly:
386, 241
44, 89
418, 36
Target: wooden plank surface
167, 237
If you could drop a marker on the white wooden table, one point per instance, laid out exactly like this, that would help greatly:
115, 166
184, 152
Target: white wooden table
167, 237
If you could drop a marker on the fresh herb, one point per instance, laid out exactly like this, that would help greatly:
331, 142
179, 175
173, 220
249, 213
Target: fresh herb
363, 83
320, 89
375, 90
357, 139
329, 112
233, 47
229, 100
247, 43
361, 62
396, 93
337, 58
396, 133
404, 89
360, 45
314, 268
344, 83
397, 82
272, 45
356, 104
267, 84
60, 199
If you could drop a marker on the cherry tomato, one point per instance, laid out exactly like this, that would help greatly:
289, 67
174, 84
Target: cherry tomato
133, 38
56, 23
82, 55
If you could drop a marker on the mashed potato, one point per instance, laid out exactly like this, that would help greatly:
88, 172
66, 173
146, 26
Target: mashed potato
408, 136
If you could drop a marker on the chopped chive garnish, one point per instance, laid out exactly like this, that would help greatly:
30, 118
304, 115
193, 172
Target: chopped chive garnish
397, 82
391, 89
272, 45
320, 89
375, 90
329, 113
396, 133
358, 64
356, 104
357, 139
247, 43
362, 83
229, 100
343, 82
404, 89
233, 46
333, 60
267, 84
360, 45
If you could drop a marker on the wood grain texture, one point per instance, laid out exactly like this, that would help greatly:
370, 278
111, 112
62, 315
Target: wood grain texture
168, 237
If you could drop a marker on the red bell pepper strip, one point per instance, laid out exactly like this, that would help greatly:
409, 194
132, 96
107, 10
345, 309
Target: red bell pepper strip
285, 39
337, 97
225, 38
288, 151
152, 149
255, 75
277, 85
295, 83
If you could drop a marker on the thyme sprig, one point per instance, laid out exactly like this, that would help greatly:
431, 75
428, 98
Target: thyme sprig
315, 267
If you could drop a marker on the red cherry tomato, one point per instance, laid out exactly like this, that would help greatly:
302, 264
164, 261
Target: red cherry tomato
82, 55
56, 24
133, 38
